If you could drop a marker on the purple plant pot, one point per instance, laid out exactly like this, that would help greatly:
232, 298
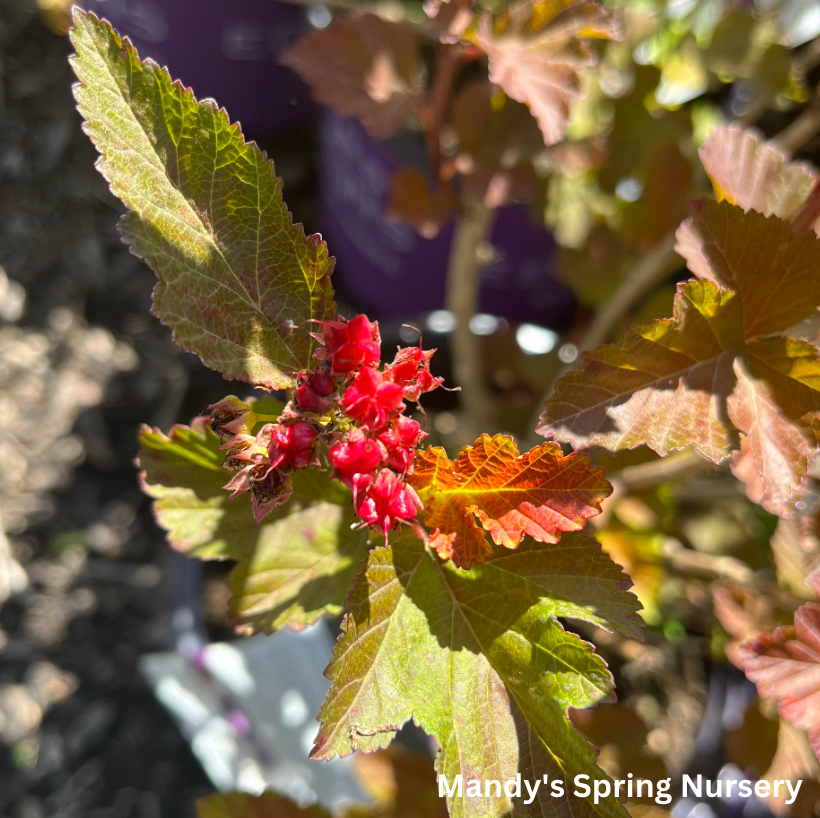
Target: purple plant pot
225, 50
391, 272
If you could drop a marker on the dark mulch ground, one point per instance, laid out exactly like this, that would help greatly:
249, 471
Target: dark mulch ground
80, 733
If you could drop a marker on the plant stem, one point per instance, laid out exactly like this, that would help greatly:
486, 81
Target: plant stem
473, 226
673, 467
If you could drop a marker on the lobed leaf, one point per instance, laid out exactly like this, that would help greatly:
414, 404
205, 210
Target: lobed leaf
536, 52
786, 666
715, 369
238, 281
291, 569
750, 173
754, 174
363, 67
491, 488
762, 260
490, 682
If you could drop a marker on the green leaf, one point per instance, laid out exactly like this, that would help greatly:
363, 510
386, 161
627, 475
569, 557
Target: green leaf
716, 369
238, 281
303, 565
295, 566
478, 660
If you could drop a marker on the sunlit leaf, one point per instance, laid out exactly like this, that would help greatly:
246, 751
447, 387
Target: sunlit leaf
490, 682
715, 369
238, 281
492, 488
363, 67
754, 174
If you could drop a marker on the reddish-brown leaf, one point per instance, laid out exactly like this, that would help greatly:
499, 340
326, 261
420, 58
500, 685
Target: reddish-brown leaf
762, 260
786, 666
754, 174
363, 67
492, 488
536, 51
496, 146
750, 173
414, 202
716, 368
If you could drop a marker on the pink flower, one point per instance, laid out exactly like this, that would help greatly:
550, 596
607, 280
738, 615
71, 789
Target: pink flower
314, 393
358, 454
291, 445
387, 501
370, 399
351, 344
411, 370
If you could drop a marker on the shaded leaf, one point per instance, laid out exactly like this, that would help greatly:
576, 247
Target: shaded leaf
413, 202
707, 374
238, 281
786, 666
295, 566
363, 67
491, 488
244, 805
748, 172
497, 141
759, 258
425, 640
536, 52
403, 784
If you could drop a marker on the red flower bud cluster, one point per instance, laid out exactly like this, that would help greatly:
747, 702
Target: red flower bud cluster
347, 404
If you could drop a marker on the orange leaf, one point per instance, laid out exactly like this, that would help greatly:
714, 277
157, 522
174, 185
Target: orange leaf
490, 487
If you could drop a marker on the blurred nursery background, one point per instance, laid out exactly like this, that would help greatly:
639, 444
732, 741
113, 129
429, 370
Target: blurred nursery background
125, 689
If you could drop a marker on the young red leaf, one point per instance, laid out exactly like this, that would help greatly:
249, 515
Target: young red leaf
238, 281
363, 67
786, 666
536, 52
491, 488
